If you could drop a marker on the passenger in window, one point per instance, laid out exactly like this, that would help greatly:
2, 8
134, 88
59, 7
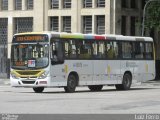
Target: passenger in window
73, 53
110, 52
55, 58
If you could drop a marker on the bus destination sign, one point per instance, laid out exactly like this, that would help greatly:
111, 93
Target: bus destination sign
30, 38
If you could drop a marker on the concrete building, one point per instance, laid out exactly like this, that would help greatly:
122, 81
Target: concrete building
82, 16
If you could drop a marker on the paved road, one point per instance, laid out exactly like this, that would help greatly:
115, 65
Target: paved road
144, 98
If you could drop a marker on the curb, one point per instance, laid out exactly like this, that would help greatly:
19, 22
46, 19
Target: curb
152, 82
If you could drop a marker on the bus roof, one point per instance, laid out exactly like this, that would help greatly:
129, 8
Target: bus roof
89, 36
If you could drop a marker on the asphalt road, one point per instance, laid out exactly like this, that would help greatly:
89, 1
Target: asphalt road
140, 99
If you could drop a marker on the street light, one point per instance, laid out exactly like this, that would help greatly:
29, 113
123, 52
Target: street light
144, 14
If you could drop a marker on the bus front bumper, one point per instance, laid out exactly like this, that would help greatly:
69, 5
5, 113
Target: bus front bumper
29, 82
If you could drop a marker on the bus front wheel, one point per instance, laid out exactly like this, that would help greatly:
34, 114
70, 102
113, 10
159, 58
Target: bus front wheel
126, 83
38, 89
95, 87
71, 84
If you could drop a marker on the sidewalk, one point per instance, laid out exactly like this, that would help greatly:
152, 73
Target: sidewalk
152, 82
4, 81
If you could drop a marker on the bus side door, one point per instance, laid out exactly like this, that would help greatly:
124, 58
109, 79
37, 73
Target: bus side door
57, 64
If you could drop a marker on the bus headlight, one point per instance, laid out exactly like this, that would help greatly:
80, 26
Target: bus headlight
43, 75
14, 76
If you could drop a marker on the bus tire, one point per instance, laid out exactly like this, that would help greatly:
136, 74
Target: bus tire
71, 84
95, 87
126, 83
38, 89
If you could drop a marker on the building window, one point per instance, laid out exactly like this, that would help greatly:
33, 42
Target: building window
134, 4
66, 24
54, 24
18, 4
87, 3
66, 3
124, 3
100, 24
133, 25
54, 4
29, 4
23, 25
87, 24
123, 25
4, 5
100, 3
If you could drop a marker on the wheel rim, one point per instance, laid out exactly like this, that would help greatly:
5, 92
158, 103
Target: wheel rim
71, 82
127, 81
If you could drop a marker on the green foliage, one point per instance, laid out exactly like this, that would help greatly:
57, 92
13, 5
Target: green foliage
153, 15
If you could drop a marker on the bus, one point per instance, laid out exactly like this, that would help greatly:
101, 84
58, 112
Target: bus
51, 59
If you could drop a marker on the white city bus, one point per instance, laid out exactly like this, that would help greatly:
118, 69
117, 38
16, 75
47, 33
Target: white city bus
50, 59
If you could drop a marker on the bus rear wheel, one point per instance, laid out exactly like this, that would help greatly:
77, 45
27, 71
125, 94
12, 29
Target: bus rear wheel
71, 84
126, 83
95, 87
38, 89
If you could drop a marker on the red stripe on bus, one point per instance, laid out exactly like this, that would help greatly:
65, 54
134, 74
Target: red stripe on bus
100, 37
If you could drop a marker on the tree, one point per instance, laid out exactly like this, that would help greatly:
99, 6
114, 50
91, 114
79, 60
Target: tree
153, 15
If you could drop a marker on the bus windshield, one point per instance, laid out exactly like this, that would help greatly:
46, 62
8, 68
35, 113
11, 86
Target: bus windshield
29, 56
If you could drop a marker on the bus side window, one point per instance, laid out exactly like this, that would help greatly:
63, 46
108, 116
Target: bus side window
66, 48
116, 49
53, 51
79, 45
139, 50
101, 50
148, 51
73, 49
57, 52
110, 50
95, 49
85, 50
127, 50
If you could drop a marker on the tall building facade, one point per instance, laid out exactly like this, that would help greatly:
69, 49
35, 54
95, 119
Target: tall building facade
77, 16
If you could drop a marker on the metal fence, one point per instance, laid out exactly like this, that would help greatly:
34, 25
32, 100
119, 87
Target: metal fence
3, 46
23, 25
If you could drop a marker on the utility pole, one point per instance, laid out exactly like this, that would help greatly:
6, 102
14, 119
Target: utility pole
144, 14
